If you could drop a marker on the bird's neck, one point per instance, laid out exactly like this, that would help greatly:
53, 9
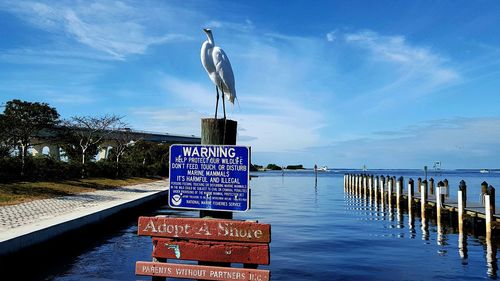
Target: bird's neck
210, 39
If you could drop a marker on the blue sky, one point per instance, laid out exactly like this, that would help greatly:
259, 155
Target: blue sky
386, 84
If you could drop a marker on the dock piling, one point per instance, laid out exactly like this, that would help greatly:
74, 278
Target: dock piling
484, 191
423, 197
431, 186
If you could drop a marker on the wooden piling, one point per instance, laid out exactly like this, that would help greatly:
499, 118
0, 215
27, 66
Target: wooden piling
419, 184
399, 191
370, 185
382, 184
431, 186
375, 188
423, 196
389, 191
365, 183
447, 193
439, 204
442, 192
358, 184
411, 192
491, 193
484, 191
489, 214
219, 132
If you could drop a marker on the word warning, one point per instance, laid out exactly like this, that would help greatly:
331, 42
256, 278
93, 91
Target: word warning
209, 177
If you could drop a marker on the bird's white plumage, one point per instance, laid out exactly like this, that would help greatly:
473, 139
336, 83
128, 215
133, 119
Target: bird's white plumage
218, 67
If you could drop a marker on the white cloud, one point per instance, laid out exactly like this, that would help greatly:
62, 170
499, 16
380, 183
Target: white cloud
417, 62
115, 28
457, 143
331, 36
245, 26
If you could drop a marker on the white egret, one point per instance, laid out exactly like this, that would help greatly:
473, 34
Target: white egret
218, 67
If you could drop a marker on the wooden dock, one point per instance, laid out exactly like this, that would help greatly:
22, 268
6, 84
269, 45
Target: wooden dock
428, 199
433, 204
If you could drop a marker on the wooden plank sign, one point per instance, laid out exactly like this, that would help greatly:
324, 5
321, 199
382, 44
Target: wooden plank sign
250, 253
205, 229
200, 272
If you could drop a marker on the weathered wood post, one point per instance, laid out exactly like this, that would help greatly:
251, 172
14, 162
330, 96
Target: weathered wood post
442, 192
375, 188
363, 184
353, 187
399, 191
382, 184
356, 184
431, 186
419, 184
411, 193
221, 132
389, 191
489, 215
447, 189
360, 185
462, 203
370, 186
423, 197
484, 191
491, 192
489, 209
439, 203
218, 132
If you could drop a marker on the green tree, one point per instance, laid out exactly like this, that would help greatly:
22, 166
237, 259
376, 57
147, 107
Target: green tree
5, 146
87, 132
273, 167
22, 120
123, 140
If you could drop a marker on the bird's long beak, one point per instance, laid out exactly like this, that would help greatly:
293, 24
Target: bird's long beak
207, 30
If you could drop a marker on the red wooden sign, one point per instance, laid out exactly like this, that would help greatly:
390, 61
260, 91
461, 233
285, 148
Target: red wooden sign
205, 229
251, 253
200, 272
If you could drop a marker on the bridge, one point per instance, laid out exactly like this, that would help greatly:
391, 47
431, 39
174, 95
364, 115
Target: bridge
47, 142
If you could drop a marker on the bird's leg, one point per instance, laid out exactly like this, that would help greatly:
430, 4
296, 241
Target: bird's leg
224, 106
223, 101
217, 101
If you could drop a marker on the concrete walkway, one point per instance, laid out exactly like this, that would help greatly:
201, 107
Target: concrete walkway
29, 223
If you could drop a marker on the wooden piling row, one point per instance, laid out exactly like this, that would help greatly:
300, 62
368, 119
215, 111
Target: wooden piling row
432, 198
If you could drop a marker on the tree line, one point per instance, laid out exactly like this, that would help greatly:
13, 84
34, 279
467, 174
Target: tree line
24, 123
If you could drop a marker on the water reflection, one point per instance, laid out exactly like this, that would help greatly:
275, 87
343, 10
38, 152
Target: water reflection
424, 227
491, 259
383, 210
462, 248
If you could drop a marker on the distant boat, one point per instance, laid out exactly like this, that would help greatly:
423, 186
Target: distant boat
323, 169
484, 171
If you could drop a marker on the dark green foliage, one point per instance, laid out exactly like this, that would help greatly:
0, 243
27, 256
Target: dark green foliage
273, 167
255, 167
23, 121
294, 167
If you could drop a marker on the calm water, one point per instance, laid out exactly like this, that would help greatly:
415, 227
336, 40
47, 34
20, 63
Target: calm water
318, 233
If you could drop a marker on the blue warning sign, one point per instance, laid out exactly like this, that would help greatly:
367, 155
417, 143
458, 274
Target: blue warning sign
209, 177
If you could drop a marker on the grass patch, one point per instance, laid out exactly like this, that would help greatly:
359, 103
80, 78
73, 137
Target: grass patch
18, 192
